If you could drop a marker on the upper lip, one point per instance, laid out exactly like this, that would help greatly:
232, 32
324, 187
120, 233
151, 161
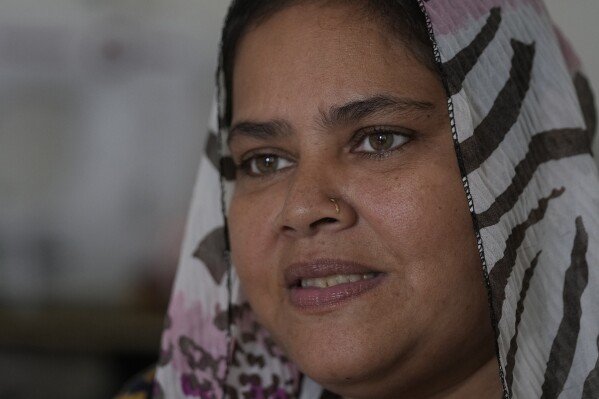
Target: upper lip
317, 268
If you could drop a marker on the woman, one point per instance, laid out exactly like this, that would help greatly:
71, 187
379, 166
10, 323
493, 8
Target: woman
409, 209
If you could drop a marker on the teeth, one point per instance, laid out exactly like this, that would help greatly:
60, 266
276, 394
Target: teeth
335, 280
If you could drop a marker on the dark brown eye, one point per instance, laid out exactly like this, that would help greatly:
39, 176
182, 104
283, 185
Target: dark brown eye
381, 141
265, 164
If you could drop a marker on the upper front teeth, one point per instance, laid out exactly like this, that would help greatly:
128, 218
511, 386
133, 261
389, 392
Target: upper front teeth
335, 280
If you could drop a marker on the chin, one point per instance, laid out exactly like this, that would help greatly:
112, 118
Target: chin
339, 362
332, 365
353, 374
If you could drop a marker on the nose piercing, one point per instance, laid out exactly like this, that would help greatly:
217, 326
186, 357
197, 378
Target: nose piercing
334, 201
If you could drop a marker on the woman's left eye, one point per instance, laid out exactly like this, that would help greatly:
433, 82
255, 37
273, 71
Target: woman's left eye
381, 142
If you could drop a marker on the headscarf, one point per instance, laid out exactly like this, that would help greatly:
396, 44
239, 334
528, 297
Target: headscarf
523, 119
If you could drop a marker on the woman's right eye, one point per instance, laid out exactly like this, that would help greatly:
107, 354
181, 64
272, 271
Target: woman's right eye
264, 164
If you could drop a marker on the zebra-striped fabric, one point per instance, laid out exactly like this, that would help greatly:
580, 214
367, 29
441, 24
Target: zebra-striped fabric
523, 122
523, 119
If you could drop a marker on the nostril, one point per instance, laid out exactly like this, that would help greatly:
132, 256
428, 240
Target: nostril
322, 221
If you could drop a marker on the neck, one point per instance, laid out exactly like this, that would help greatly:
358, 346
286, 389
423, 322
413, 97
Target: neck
483, 383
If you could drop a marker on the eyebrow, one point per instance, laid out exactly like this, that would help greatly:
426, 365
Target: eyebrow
260, 130
356, 110
347, 113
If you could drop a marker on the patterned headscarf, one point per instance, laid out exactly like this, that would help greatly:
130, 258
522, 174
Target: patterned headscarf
523, 119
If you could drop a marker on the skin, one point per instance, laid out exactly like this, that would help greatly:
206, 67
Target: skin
424, 332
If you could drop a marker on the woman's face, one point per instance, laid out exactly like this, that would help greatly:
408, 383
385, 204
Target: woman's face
327, 105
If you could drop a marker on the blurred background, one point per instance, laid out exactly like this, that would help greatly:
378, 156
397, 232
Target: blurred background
103, 106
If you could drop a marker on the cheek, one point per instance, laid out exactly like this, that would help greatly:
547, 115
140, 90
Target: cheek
418, 215
247, 235
251, 238
421, 217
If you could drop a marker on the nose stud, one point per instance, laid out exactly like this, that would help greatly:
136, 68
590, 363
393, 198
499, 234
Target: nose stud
334, 201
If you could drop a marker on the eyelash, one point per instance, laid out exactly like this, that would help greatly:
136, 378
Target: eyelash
363, 135
245, 165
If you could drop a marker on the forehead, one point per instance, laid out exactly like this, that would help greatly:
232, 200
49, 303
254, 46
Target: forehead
308, 57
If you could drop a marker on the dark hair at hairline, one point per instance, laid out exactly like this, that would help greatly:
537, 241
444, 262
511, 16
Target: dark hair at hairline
404, 18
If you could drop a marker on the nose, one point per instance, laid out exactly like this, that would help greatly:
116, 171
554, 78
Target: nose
314, 203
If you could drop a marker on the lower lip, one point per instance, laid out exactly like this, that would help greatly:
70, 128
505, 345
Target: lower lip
319, 299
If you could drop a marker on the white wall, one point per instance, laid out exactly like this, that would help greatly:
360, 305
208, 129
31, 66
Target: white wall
579, 20
103, 107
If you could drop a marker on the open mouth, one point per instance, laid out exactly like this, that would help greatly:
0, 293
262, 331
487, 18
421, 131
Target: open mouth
332, 281
326, 283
